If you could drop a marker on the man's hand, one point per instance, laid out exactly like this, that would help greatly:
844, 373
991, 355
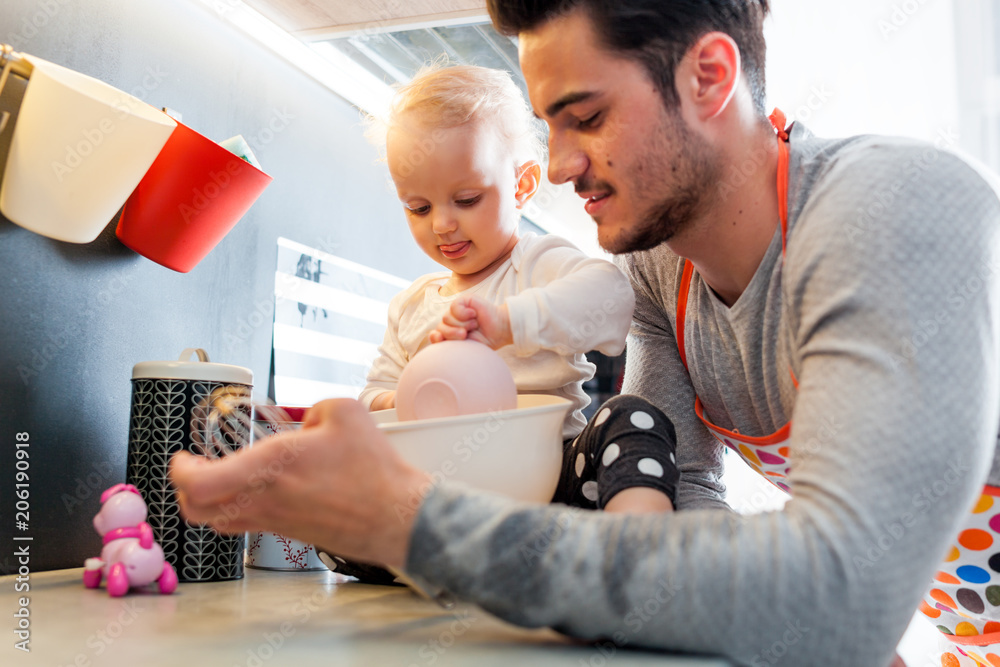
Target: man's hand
337, 483
476, 319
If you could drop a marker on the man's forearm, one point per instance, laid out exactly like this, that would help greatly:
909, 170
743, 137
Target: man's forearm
701, 581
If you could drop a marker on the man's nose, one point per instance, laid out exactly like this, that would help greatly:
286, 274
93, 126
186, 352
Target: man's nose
567, 162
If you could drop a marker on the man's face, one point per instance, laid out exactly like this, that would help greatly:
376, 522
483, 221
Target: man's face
644, 173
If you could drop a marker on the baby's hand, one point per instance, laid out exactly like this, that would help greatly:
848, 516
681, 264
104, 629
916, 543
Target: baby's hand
476, 319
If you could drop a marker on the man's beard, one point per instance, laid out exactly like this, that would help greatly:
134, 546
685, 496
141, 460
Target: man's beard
694, 166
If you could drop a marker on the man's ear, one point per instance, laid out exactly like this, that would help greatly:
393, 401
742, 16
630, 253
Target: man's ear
709, 73
529, 176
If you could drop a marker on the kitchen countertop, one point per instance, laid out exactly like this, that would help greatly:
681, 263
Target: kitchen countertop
279, 618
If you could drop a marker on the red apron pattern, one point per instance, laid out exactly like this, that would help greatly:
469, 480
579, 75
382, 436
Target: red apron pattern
964, 600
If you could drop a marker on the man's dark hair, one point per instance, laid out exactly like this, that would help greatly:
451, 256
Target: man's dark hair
655, 33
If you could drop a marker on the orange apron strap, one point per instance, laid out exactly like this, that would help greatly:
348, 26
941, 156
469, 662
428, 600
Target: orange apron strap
778, 120
682, 302
780, 123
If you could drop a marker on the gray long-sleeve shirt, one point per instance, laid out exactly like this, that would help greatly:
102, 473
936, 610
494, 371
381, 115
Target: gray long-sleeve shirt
886, 306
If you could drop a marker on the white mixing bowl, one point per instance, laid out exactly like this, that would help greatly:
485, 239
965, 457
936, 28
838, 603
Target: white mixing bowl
517, 453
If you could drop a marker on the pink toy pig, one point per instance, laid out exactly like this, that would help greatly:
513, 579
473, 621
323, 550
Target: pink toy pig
130, 558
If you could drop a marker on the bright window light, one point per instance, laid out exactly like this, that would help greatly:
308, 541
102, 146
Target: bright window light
332, 69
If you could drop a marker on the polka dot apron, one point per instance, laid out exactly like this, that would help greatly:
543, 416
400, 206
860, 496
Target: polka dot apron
964, 600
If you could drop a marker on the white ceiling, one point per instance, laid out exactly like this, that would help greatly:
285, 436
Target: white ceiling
323, 19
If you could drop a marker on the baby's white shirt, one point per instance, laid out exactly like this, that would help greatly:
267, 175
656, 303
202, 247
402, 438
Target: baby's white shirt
562, 304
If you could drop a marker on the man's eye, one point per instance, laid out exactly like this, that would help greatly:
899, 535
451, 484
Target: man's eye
589, 121
468, 202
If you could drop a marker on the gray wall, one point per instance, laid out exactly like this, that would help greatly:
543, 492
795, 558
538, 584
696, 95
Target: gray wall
74, 319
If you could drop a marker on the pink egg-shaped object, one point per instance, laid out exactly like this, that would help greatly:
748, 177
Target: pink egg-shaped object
454, 377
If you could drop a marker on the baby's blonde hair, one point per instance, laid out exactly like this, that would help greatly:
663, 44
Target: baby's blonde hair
451, 96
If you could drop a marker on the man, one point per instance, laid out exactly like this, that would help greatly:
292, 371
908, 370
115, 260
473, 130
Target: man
833, 305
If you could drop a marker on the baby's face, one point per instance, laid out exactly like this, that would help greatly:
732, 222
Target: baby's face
459, 189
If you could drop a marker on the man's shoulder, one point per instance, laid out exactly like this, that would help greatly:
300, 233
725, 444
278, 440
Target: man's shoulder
872, 209
870, 187
878, 164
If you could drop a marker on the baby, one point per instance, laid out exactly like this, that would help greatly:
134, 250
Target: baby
464, 156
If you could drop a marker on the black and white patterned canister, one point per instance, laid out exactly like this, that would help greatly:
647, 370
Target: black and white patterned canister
170, 402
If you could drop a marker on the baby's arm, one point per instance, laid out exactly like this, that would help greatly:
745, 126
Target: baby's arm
383, 376
569, 303
380, 391
384, 401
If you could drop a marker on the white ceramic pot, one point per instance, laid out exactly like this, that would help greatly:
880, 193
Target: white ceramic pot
78, 150
271, 551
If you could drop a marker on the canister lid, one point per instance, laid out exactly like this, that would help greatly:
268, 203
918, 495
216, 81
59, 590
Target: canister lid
185, 369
